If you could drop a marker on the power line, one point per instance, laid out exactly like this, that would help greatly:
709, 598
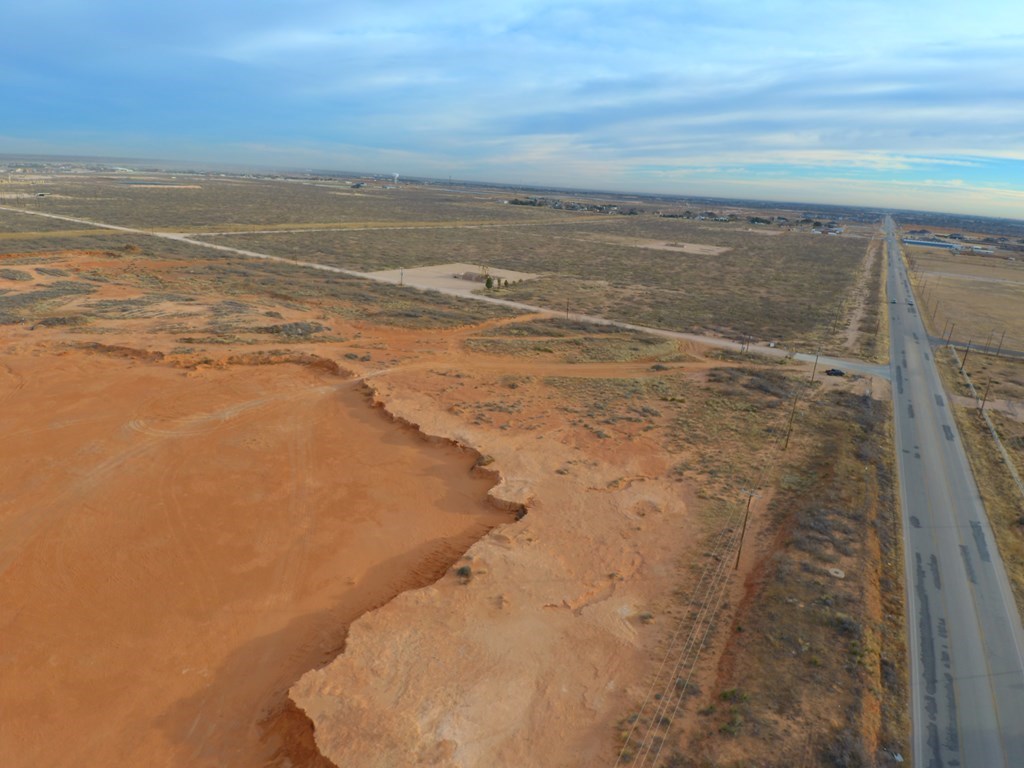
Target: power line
669, 691
709, 593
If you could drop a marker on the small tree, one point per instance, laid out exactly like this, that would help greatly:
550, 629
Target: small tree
489, 282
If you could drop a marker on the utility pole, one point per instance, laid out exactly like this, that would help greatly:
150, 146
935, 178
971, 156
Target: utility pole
944, 327
789, 429
966, 353
743, 531
985, 398
1000, 349
987, 347
935, 308
815, 368
950, 334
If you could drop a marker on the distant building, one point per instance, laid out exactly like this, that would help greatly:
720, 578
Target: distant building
932, 244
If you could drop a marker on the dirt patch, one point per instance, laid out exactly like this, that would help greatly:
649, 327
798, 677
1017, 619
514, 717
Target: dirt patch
699, 249
456, 277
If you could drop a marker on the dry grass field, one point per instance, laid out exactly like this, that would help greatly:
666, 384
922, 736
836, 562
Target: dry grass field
615, 462
783, 288
23, 226
981, 295
221, 204
820, 618
728, 278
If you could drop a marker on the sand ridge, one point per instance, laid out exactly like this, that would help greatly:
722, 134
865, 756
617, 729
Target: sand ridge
462, 674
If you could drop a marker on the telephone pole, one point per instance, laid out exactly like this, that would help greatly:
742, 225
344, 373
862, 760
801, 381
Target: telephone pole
789, 429
966, 353
751, 495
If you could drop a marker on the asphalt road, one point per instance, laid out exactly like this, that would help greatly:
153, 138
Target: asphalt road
965, 636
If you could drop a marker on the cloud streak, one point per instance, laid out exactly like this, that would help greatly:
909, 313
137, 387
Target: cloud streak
606, 93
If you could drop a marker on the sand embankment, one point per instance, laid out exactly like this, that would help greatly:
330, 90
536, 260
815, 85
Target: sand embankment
178, 547
533, 660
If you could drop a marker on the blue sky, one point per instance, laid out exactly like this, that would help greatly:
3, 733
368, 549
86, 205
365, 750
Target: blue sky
898, 103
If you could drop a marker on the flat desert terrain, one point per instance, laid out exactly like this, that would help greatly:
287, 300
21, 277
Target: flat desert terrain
255, 513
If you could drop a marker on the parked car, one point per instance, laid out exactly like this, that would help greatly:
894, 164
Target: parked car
834, 372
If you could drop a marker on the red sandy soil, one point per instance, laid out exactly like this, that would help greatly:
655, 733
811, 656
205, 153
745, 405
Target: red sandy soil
177, 548
181, 541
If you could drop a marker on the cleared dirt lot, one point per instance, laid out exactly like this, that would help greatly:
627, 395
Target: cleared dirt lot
451, 278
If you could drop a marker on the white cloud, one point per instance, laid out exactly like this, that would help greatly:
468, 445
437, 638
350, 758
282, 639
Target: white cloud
610, 90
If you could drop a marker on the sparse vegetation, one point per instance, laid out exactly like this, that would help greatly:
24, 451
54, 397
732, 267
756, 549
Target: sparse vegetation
807, 636
710, 424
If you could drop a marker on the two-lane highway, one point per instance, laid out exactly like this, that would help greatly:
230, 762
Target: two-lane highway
966, 642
